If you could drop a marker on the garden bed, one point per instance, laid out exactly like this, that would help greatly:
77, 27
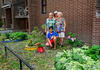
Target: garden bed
84, 58
42, 61
63, 58
14, 37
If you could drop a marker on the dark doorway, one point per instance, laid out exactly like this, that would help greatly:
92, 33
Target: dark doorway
8, 18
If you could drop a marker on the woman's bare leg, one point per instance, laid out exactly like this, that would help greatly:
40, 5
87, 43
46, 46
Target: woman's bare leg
61, 41
55, 42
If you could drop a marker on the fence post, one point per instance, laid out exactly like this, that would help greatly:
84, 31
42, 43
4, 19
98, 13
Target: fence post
20, 64
5, 52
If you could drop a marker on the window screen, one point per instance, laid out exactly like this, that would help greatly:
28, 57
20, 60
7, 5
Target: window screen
43, 6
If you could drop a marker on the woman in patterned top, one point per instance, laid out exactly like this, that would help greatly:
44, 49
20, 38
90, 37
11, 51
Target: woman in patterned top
50, 22
61, 27
55, 15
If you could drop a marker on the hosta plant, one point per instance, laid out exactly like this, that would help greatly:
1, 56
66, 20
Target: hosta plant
94, 52
75, 59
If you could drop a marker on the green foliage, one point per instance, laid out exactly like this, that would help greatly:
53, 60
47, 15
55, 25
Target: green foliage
1, 23
14, 36
43, 26
73, 41
19, 35
2, 37
75, 59
30, 42
72, 34
37, 36
1, 29
94, 52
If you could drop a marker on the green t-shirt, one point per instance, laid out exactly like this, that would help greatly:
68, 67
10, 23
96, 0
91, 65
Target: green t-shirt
51, 22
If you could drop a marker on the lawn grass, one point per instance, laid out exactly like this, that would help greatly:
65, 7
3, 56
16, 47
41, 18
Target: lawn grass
41, 61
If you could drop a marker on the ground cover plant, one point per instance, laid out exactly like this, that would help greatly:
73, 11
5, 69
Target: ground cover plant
73, 41
94, 52
68, 57
14, 36
76, 59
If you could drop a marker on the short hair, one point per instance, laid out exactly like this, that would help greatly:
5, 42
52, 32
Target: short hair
50, 27
55, 12
60, 13
51, 14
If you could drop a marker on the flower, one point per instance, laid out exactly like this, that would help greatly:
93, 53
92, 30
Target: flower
69, 37
73, 39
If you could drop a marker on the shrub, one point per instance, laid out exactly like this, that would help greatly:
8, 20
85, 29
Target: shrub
75, 59
1, 23
14, 36
37, 36
19, 35
43, 26
94, 52
73, 41
2, 37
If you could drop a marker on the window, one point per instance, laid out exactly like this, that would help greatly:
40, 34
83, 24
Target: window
98, 9
3, 2
26, 2
98, 3
43, 6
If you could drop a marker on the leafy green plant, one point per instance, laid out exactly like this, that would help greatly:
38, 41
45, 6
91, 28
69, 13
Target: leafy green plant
37, 36
1, 23
71, 34
73, 41
75, 59
94, 52
2, 37
19, 35
30, 42
43, 26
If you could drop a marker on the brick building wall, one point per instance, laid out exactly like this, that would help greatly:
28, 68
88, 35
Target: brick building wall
78, 15
96, 31
96, 26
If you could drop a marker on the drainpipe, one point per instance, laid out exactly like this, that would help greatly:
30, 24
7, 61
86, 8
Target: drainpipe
12, 12
29, 26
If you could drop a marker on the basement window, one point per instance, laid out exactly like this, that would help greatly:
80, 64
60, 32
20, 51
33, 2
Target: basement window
43, 6
98, 9
98, 3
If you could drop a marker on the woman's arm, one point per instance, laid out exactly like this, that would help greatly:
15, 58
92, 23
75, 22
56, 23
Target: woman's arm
45, 28
64, 26
46, 25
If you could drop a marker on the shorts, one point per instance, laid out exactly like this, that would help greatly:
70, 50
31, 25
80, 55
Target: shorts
52, 42
61, 35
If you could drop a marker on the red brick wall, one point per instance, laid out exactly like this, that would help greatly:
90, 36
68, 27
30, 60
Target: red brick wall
96, 27
96, 32
78, 15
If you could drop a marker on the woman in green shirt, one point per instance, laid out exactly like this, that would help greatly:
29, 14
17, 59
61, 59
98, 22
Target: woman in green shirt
50, 22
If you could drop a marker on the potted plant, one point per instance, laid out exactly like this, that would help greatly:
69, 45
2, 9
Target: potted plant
40, 48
